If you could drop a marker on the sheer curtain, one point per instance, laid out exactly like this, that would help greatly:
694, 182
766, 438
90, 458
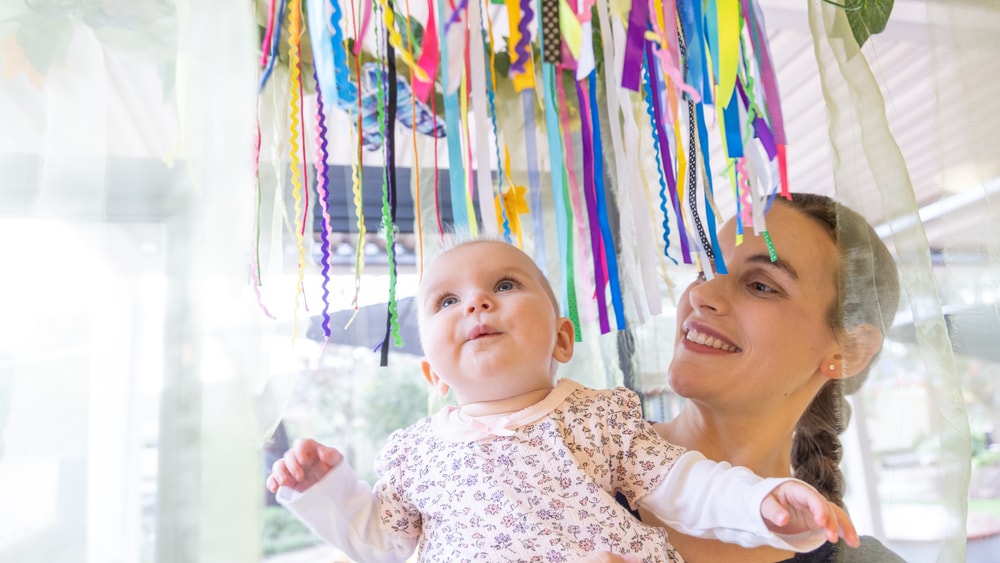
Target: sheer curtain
128, 349
137, 378
873, 175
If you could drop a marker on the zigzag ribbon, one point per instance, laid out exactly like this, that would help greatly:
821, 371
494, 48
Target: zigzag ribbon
322, 194
295, 165
502, 164
659, 132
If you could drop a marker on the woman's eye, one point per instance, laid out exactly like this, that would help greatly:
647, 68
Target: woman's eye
448, 301
505, 285
760, 287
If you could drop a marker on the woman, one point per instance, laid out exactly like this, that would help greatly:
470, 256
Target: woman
765, 354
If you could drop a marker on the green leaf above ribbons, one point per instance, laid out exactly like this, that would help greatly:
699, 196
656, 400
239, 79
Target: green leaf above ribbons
867, 17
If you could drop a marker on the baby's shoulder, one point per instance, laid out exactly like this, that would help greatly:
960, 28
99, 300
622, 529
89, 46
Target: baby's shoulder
620, 401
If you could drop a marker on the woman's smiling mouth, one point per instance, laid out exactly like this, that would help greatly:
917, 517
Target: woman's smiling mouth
709, 340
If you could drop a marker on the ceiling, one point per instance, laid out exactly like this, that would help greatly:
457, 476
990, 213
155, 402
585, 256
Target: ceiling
938, 105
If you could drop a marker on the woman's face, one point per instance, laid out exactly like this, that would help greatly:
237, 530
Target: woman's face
755, 337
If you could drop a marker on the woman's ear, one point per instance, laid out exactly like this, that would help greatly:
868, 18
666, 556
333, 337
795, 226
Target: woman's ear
433, 378
861, 343
565, 340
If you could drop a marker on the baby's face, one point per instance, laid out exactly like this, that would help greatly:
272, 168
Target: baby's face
488, 323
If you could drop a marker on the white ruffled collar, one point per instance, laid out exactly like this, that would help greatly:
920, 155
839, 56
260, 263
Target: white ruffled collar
452, 424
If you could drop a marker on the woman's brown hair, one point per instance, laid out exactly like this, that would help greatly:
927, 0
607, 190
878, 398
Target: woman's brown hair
868, 293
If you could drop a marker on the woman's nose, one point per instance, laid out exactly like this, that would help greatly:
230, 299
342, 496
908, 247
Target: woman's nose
708, 295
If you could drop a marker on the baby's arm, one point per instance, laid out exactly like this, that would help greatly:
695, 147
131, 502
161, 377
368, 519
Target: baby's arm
794, 507
302, 466
706, 499
314, 484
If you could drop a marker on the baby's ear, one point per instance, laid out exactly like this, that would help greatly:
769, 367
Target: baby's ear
565, 340
863, 342
433, 378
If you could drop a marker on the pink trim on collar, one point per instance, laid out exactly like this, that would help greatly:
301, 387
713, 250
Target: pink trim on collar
450, 424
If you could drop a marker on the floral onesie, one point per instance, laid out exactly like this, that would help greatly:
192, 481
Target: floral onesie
538, 485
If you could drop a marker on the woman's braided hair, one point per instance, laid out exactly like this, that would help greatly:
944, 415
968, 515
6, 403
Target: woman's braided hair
868, 291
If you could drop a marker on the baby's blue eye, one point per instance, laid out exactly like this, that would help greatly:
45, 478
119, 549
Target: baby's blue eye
505, 285
448, 301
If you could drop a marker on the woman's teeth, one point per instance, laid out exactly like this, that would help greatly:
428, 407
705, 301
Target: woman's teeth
710, 341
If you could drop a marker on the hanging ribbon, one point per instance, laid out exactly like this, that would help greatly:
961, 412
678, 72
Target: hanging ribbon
577, 211
742, 199
664, 164
463, 97
477, 75
387, 105
254, 269
728, 29
692, 50
300, 185
596, 242
356, 186
635, 224
366, 18
396, 41
608, 243
430, 53
692, 183
731, 136
534, 183
328, 53
415, 117
274, 24
558, 178
521, 16
710, 211
500, 199
265, 47
638, 20
586, 64
551, 40
456, 167
758, 38
322, 194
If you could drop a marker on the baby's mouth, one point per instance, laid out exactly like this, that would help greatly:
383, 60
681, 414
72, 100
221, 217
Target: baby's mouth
709, 340
479, 331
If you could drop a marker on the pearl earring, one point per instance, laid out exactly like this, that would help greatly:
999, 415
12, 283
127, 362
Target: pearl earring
832, 367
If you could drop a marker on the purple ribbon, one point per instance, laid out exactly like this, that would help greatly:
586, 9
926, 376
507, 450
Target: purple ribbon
638, 20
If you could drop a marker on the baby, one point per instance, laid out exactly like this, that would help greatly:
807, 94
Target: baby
525, 468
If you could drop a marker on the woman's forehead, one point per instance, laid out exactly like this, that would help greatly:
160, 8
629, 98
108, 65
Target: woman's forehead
795, 238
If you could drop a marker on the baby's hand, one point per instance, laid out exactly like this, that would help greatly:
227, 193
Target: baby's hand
794, 507
305, 463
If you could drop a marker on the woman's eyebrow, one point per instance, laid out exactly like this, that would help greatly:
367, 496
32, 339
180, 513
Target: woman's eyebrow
779, 263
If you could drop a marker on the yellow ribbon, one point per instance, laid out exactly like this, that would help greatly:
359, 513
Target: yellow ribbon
729, 49
572, 30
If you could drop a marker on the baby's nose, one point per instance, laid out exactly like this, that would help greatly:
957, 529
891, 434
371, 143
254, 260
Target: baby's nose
479, 302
